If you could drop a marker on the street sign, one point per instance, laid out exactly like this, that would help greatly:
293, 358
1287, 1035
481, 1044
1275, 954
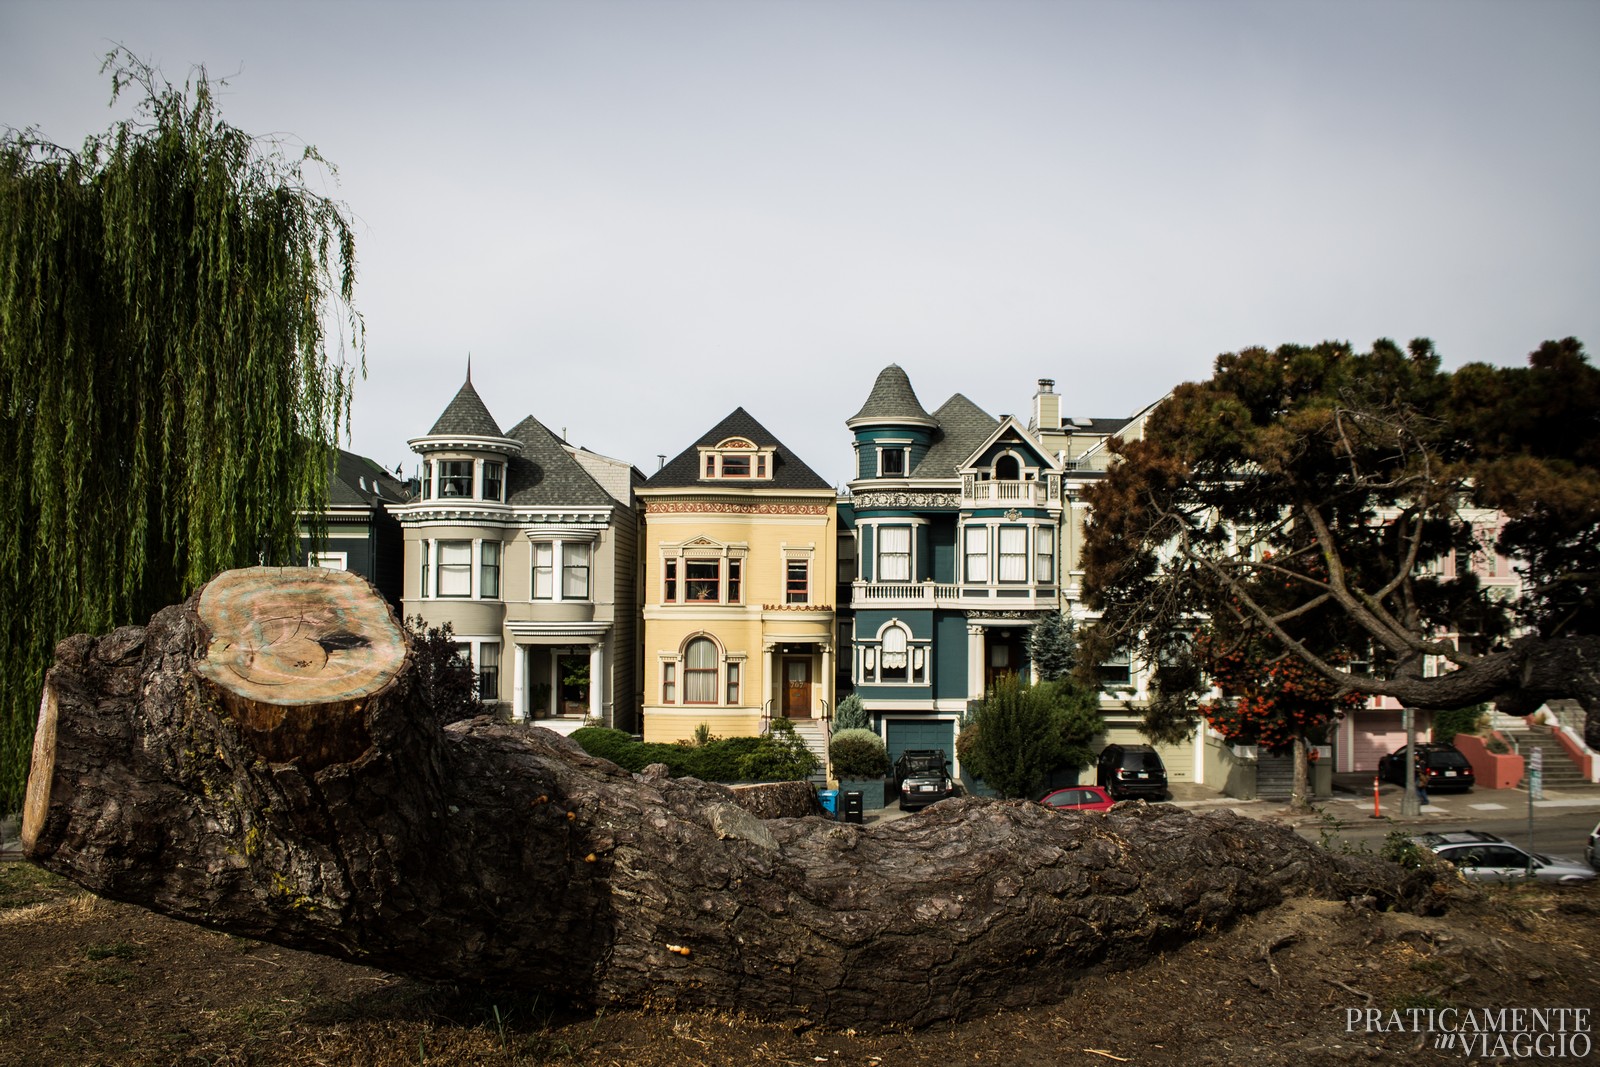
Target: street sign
1536, 774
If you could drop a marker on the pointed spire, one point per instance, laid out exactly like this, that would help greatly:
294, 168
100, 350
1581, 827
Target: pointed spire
466, 415
892, 400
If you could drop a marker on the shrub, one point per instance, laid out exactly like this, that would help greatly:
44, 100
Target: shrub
851, 715
1446, 724
1021, 733
781, 756
858, 754
719, 761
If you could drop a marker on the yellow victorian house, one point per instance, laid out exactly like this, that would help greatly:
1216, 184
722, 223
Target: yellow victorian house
739, 570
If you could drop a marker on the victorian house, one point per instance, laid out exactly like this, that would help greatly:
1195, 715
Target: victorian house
958, 520
528, 547
739, 564
358, 532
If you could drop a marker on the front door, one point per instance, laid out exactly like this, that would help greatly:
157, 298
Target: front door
797, 688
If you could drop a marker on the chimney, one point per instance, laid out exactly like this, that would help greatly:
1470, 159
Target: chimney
1046, 406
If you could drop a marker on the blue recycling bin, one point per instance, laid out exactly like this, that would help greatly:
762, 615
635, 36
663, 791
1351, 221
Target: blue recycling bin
829, 799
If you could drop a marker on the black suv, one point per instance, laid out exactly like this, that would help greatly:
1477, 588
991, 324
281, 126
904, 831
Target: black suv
1447, 767
1131, 771
923, 777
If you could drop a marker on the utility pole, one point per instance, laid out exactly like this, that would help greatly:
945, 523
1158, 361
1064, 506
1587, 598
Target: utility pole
1408, 803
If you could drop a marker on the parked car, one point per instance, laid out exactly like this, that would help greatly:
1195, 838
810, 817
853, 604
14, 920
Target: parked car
1131, 771
1447, 767
1078, 798
1594, 848
923, 777
1486, 857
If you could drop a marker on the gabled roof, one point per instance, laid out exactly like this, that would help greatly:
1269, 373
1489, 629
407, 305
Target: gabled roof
788, 471
466, 416
356, 481
964, 428
546, 475
1010, 428
892, 400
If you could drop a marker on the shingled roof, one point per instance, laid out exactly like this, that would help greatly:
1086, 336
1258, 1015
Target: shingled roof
964, 426
788, 471
356, 481
466, 416
891, 399
546, 475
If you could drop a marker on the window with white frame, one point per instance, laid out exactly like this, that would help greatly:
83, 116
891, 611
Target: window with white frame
1013, 553
561, 569
1044, 555
669, 682
455, 478
895, 658
1116, 672
699, 575
482, 654
892, 461
700, 663
489, 570
797, 581
894, 553
494, 479
330, 561
455, 568
976, 543
736, 459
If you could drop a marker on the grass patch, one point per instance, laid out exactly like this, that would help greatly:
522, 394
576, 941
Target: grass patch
23, 885
120, 950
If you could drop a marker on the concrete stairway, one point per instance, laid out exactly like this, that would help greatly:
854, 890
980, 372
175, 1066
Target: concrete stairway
1560, 773
814, 732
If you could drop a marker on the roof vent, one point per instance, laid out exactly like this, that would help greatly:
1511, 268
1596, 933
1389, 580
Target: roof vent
1085, 423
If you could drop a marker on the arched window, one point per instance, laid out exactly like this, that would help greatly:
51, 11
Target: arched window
893, 655
1007, 469
700, 672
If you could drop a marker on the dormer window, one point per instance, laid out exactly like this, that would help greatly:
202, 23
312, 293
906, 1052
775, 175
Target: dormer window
736, 459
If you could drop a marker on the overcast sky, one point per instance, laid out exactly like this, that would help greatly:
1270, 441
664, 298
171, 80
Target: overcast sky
637, 216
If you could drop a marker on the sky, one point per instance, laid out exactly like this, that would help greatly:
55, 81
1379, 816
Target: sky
636, 216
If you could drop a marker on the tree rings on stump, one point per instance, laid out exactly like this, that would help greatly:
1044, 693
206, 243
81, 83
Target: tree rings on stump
296, 654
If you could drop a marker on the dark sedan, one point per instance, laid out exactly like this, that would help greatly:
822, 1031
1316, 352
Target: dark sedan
1447, 767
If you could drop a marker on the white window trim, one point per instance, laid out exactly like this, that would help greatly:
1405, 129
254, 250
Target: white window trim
475, 645
919, 657
557, 539
332, 561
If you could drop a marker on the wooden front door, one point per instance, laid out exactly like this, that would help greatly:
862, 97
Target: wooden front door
797, 688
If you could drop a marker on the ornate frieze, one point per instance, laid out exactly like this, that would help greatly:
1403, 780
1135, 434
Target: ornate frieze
720, 507
905, 499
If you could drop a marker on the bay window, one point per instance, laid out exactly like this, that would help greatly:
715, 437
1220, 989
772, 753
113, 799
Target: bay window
1013, 553
574, 571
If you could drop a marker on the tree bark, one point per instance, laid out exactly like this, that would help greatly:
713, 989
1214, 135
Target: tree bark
501, 854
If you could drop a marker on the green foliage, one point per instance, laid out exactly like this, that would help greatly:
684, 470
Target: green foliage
782, 756
444, 679
858, 753
1469, 720
169, 401
779, 756
851, 715
1021, 733
1052, 647
1297, 497
702, 735
1399, 848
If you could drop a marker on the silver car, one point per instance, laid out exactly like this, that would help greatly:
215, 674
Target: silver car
1594, 848
1484, 857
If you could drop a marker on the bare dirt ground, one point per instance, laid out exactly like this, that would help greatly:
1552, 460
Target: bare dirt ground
87, 982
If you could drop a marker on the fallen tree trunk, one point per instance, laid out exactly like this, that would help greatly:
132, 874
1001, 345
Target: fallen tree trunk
182, 767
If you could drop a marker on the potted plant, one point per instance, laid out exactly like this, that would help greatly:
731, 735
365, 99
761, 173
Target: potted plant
860, 763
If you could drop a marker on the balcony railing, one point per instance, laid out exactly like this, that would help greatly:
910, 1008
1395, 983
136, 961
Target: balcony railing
940, 594
1031, 493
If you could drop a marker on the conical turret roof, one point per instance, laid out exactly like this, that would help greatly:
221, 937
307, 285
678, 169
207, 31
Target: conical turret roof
892, 400
466, 416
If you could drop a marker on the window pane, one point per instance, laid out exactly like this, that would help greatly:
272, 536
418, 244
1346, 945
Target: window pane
701, 577
736, 466
977, 539
493, 480
575, 572
1044, 561
735, 579
1013, 554
489, 671
670, 575
894, 461
894, 554
543, 570
893, 658
797, 582
489, 572
733, 683
427, 481
455, 477
669, 683
700, 672
455, 568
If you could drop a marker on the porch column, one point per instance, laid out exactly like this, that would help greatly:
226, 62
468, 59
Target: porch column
555, 684
519, 683
595, 678
773, 694
975, 663
826, 688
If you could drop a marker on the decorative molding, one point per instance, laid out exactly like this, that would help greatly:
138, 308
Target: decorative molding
865, 500
987, 618
718, 507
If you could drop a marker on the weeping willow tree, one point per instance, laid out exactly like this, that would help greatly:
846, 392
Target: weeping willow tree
170, 396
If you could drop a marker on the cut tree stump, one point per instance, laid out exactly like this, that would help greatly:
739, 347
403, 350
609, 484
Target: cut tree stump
257, 761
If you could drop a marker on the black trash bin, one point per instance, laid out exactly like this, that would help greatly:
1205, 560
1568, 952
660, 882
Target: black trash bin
852, 805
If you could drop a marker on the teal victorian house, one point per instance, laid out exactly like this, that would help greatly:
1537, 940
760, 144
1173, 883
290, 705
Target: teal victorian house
958, 518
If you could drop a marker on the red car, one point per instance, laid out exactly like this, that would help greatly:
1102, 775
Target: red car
1078, 798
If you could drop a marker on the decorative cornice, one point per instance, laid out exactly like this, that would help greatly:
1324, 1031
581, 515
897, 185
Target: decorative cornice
988, 618
729, 507
866, 500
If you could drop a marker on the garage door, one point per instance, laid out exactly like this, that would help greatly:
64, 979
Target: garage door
901, 734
